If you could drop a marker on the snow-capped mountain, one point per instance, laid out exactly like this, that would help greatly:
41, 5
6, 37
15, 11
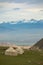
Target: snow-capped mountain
21, 24
22, 21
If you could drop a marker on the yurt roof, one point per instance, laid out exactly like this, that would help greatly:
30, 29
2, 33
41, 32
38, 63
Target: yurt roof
10, 49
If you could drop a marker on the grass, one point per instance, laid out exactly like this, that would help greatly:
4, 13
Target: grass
28, 58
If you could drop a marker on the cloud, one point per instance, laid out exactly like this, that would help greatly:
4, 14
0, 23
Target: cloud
32, 2
6, 7
16, 9
41, 10
11, 11
22, 1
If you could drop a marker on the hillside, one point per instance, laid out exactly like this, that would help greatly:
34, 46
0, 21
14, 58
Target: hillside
38, 45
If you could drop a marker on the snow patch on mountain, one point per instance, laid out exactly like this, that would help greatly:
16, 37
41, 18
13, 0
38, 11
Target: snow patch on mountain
23, 21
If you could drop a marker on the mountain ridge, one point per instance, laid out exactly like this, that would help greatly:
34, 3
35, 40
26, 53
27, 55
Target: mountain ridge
21, 25
38, 45
23, 21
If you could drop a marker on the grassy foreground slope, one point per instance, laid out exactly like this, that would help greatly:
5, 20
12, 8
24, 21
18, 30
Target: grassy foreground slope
28, 58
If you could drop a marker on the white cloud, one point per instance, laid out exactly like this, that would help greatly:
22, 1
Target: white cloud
8, 12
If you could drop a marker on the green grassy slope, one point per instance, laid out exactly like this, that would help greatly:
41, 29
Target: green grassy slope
28, 58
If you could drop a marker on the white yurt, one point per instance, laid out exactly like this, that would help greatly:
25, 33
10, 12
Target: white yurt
10, 51
19, 50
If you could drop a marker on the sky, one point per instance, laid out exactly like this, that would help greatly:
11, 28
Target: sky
15, 10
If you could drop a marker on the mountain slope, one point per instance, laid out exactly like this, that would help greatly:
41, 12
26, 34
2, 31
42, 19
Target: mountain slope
38, 45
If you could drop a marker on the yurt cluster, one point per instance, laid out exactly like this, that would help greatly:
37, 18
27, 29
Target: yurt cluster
14, 51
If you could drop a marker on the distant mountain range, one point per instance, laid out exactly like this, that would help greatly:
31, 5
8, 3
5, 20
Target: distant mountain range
21, 24
22, 21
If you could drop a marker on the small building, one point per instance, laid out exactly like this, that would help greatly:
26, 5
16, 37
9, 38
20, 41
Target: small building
19, 50
11, 51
